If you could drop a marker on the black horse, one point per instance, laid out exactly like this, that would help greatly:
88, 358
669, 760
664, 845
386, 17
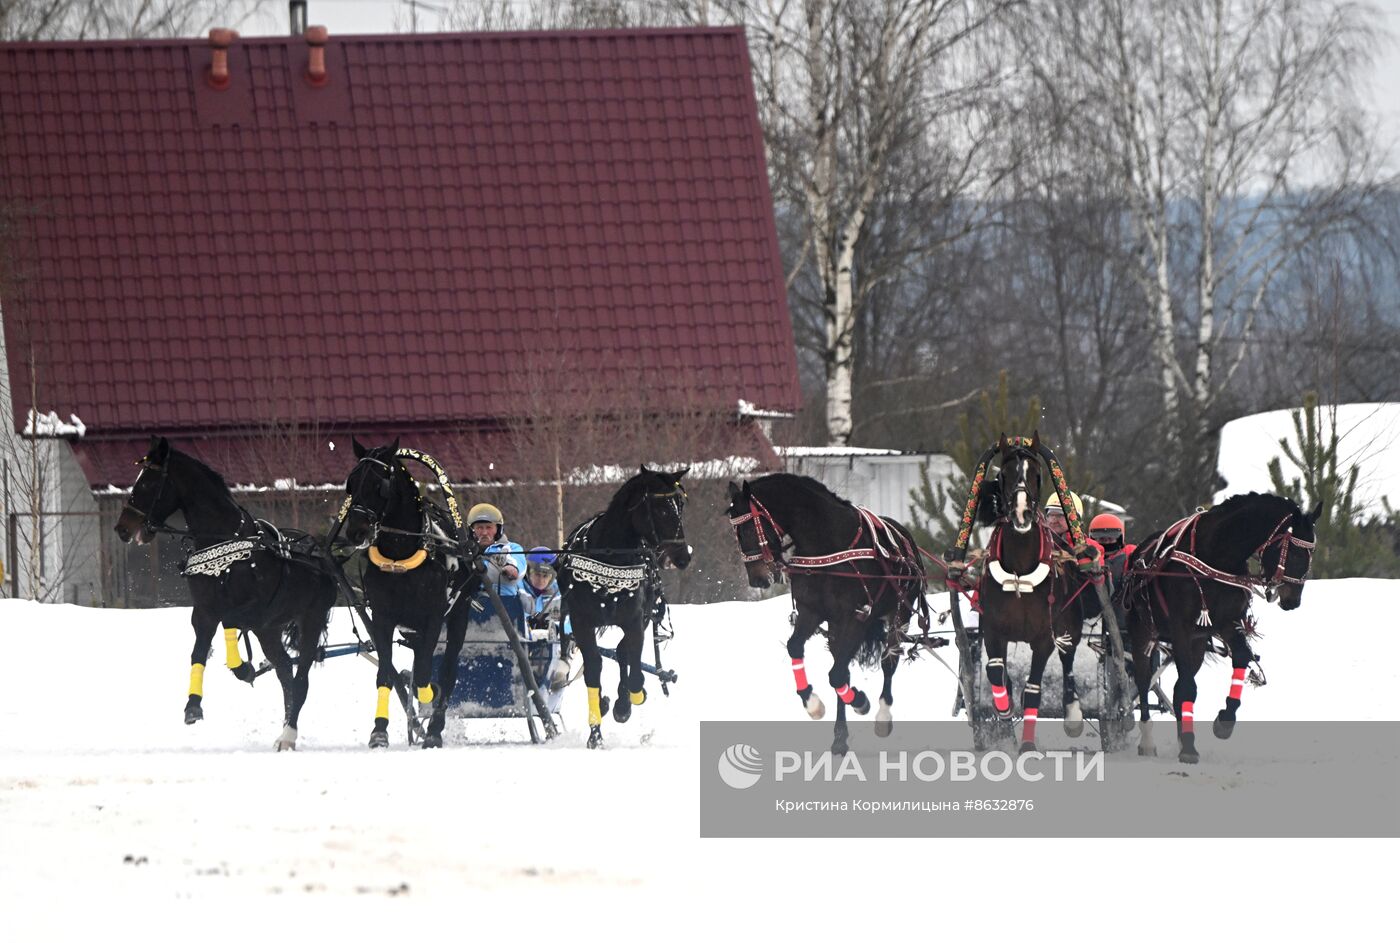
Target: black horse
1192, 582
242, 572
859, 574
609, 574
1030, 590
418, 578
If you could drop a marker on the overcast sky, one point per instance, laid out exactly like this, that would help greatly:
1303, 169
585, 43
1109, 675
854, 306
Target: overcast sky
380, 16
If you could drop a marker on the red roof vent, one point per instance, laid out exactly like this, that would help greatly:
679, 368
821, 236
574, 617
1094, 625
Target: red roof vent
219, 41
316, 38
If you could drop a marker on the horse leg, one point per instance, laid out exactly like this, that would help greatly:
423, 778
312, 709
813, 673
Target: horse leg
447, 673
996, 675
204, 626
1074, 714
845, 642
1184, 698
381, 631
1142, 677
424, 641
884, 722
802, 630
1030, 699
241, 669
840, 674
271, 641
309, 629
629, 671
1240, 657
586, 637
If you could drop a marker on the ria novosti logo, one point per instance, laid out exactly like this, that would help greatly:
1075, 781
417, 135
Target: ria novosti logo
740, 766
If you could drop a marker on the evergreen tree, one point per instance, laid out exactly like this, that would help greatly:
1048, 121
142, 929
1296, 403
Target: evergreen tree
937, 509
1348, 542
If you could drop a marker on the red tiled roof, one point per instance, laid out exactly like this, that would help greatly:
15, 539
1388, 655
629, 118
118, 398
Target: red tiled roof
406, 246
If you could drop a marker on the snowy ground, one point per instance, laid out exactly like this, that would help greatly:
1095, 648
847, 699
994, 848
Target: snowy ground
113, 813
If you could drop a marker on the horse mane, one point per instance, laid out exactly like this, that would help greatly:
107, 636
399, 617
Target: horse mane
631, 489
201, 469
810, 486
1239, 502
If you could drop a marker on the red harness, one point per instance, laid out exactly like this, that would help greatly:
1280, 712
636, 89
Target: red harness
1166, 549
897, 556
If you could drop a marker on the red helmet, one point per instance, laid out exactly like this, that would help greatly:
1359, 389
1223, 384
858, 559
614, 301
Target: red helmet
1108, 526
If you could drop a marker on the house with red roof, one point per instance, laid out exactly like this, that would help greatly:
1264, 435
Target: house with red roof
259, 247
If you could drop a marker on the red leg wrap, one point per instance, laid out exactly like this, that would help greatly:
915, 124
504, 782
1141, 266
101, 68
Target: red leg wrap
1028, 730
799, 673
1237, 683
1188, 716
1000, 698
846, 693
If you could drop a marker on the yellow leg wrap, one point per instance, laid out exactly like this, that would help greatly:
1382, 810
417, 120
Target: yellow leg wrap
197, 680
638, 697
425, 694
381, 709
231, 648
595, 715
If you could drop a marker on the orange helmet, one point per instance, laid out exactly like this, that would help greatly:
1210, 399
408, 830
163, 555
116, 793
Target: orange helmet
1110, 525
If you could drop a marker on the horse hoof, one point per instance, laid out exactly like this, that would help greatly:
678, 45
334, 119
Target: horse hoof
193, 713
839, 747
286, 745
1028, 746
1074, 720
1189, 756
1224, 726
815, 708
595, 738
244, 672
622, 710
860, 703
288, 739
379, 740
432, 741
884, 723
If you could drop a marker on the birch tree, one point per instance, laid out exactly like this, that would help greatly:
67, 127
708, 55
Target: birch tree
118, 19
844, 86
1231, 131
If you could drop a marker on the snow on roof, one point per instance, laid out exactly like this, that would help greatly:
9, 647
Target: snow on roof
830, 451
49, 425
730, 467
1368, 436
747, 409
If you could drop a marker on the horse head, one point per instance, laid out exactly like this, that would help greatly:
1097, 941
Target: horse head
153, 497
757, 535
1020, 481
657, 511
374, 488
1287, 558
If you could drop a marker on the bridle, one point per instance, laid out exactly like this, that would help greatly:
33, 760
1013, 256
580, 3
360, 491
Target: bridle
760, 516
1284, 537
677, 497
1025, 456
146, 520
385, 487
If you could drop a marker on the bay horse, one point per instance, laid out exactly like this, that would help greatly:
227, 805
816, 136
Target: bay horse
859, 574
1027, 592
609, 574
1191, 583
420, 577
242, 573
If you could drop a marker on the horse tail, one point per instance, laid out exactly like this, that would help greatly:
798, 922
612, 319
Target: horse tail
872, 647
